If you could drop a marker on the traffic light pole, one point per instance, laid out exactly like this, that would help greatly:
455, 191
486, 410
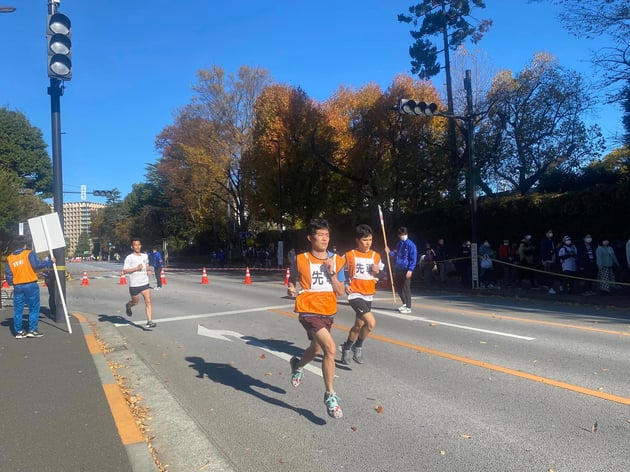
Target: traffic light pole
55, 91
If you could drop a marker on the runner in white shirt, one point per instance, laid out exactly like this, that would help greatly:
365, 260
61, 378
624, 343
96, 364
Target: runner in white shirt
136, 266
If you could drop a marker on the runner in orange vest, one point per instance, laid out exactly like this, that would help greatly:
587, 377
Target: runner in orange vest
320, 275
362, 265
21, 267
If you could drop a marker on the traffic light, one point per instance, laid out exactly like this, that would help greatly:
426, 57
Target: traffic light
412, 107
102, 193
58, 34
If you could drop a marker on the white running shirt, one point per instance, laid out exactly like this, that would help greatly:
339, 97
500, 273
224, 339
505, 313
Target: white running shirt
140, 277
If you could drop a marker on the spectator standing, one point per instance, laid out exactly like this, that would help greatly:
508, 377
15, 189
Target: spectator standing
441, 257
157, 262
587, 267
486, 254
526, 261
428, 265
568, 256
606, 264
548, 259
21, 270
405, 258
507, 254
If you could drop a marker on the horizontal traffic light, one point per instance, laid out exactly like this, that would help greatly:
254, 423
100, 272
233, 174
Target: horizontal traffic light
58, 37
102, 193
412, 107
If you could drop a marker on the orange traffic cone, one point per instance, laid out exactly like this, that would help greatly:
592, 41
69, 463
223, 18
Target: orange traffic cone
204, 277
5, 284
286, 277
248, 277
123, 279
163, 276
84, 280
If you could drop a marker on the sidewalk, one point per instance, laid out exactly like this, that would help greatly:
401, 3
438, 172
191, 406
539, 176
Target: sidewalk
57, 391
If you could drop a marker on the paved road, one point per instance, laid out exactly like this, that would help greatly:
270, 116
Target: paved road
465, 383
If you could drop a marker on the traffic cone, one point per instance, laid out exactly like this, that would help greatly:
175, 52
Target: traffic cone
123, 279
5, 284
84, 280
204, 277
286, 277
163, 276
248, 277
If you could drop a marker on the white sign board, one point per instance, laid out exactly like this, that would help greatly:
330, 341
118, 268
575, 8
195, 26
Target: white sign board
46, 233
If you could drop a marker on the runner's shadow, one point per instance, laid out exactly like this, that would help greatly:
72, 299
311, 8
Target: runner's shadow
229, 375
117, 319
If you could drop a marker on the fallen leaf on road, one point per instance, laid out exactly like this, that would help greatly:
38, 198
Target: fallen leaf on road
466, 436
442, 453
379, 409
353, 428
262, 356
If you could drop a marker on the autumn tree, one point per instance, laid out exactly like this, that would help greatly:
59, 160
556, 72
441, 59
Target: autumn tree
450, 21
202, 150
534, 125
282, 169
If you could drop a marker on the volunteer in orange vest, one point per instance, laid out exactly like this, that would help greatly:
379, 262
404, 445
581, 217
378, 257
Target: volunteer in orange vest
21, 267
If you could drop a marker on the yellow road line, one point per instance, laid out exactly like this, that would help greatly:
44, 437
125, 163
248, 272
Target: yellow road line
487, 365
128, 429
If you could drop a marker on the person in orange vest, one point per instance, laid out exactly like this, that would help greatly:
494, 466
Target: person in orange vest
320, 275
362, 266
21, 269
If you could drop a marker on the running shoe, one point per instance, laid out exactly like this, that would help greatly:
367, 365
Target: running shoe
402, 308
358, 355
332, 405
128, 308
34, 334
406, 310
296, 375
345, 355
150, 324
20, 335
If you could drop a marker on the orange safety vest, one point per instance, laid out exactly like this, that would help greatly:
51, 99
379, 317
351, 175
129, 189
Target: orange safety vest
317, 295
359, 269
21, 268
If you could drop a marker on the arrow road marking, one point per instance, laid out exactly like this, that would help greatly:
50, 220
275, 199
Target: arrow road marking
223, 334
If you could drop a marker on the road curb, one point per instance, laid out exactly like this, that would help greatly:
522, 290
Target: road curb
178, 439
130, 435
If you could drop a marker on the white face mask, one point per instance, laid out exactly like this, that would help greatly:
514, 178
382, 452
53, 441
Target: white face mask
403, 237
588, 240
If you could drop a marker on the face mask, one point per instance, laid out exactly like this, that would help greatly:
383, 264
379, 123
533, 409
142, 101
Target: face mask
605, 243
486, 244
588, 240
550, 235
403, 237
528, 237
568, 241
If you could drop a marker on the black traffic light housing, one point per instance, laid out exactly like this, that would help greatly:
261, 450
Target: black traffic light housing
59, 46
102, 193
412, 107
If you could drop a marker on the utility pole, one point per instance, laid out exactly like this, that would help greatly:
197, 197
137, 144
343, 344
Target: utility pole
59, 67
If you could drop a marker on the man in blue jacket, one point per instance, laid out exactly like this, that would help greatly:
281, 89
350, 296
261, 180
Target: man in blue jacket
405, 257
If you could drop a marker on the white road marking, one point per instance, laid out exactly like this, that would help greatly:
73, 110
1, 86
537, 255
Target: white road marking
223, 335
469, 328
212, 315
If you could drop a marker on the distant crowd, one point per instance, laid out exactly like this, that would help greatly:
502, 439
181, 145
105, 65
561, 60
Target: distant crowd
580, 266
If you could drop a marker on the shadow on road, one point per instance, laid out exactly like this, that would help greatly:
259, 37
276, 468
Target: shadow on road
232, 377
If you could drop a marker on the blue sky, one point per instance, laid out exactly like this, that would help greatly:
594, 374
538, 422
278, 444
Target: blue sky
134, 63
